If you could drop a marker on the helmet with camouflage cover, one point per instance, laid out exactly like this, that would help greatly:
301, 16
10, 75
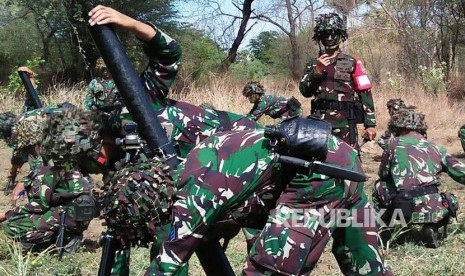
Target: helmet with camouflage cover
71, 135
100, 64
7, 120
408, 119
137, 199
394, 105
330, 24
28, 130
253, 87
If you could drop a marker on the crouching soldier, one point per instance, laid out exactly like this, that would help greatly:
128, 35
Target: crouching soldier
60, 204
409, 178
239, 170
271, 105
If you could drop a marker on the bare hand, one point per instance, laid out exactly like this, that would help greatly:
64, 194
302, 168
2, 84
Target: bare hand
370, 133
101, 15
29, 72
322, 62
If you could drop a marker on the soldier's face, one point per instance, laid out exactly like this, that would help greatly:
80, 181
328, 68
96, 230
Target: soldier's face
253, 98
330, 39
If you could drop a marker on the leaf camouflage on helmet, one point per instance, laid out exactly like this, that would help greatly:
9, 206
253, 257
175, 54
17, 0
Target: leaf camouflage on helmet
7, 121
329, 21
71, 135
408, 119
137, 200
253, 87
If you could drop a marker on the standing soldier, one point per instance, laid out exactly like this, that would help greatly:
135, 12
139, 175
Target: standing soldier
338, 83
100, 87
410, 176
271, 105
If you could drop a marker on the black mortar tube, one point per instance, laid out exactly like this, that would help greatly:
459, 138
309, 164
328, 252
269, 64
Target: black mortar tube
133, 93
31, 93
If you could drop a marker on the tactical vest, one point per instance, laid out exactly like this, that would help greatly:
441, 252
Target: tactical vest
338, 81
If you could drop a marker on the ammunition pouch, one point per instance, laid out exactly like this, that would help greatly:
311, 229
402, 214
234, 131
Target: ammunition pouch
451, 204
355, 109
253, 216
85, 208
403, 200
293, 106
305, 138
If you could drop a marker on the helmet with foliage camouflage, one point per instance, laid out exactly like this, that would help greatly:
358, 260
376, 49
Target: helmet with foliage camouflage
71, 135
138, 199
100, 64
28, 130
329, 22
408, 119
7, 120
395, 104
253, 87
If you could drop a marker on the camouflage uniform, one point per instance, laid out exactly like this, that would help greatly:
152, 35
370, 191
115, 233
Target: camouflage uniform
53, 189
229, 170
271, 105
97, 92
334, 91
409, 174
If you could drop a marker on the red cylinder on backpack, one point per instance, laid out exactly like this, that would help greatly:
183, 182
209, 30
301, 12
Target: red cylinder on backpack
360, 77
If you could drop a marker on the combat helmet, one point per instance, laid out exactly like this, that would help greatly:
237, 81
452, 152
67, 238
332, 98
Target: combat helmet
329, 22
253, 87
100, 64
408, 119
71, 135
7, 120
137, 200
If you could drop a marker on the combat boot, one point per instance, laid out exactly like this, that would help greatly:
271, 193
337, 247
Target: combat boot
430, 235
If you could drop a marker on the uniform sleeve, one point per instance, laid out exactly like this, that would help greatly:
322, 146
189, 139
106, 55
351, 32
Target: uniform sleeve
258, 110
311, 80
454, 168
384, 171
90, 91
164, 59
366, 99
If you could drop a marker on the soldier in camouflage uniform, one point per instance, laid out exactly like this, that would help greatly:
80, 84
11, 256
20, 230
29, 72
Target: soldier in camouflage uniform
99, 87
271, 105
238, 169
65, 139
409, 177
25, 135
339, 84
185, 123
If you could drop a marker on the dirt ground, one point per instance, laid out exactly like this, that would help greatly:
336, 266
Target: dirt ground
371, 155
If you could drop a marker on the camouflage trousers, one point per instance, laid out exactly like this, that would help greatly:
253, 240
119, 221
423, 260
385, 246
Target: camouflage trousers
40, 230
295, 236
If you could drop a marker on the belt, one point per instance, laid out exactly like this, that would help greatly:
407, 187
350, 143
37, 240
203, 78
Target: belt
331, 105
420, 191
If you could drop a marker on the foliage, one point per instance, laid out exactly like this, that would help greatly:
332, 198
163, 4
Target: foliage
15, 85
201, 55
247, 70
433, 77
57, 31
261, 46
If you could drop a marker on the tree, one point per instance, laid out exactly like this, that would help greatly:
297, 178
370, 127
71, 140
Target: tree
261, 45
